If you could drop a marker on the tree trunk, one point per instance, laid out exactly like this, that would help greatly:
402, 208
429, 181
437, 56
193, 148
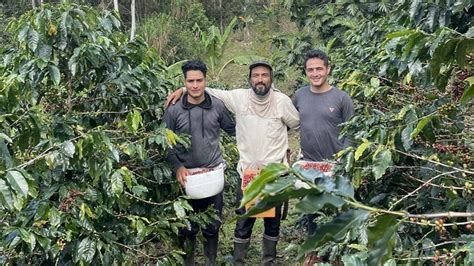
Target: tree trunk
33, 4
221, 18
116, 6
132, 31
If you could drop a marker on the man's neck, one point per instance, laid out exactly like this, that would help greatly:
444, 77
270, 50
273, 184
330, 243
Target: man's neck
320, 89
193, 100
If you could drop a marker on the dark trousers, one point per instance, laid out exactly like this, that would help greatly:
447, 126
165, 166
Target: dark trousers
200, 205
243, 228
311, 224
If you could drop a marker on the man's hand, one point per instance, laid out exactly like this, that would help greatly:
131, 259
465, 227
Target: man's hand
181, 174
174, 97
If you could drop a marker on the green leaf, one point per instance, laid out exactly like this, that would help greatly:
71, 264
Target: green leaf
463, 50
134, 119
468, 93
5, 137
6, 196
116, 181
398, 34
33, 38
381, 160
415, 8
406, 137
69, 149
54, 217
268, 201
357, 259
179, 210
344, 187
390, 262
54, 74
45, 52
127, 176
268, 174
360, 150
312, 203
382, 239
18, 182
419, 127
139, 190
442, 55
334, 230
374, 82
85, 250
5, 155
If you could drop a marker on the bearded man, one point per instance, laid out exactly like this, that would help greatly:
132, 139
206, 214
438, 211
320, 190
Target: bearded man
262, 116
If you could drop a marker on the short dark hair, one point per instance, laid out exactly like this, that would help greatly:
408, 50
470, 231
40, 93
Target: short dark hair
316, 54
194, 65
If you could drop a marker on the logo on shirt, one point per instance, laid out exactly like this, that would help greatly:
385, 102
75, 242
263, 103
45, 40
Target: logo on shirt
331, 109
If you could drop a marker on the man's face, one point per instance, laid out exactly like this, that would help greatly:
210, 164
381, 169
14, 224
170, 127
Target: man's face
195, 83
317, 72
260, 80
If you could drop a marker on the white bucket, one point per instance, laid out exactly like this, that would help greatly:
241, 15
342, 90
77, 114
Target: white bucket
204, 185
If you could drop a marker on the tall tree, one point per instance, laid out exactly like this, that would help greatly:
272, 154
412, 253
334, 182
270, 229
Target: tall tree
132, 31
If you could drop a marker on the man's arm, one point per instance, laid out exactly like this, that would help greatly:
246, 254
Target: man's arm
291, 117
226, 96
347, 113
226, 122
172, 158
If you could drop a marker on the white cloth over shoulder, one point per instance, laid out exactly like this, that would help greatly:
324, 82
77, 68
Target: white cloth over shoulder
261, 129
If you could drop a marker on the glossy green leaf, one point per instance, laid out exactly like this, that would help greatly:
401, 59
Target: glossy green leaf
179, 210
116, 181
464, 49
381, 161
85, 250
419, 127
357, 259
344, 187
267, 201
360, 150
406, 137
313, 203
5, 137
33, 38
268, 174
382, 239
18, 182
54, 74
334, 230
468, 94
6, 196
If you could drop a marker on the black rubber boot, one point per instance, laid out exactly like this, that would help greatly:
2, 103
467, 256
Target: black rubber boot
210, 250
269, 250
240, 252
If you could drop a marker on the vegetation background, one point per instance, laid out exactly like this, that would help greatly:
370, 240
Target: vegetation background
82, 173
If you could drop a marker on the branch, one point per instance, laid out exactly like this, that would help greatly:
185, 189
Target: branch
149, 202
420, 187
434, 162
441, 215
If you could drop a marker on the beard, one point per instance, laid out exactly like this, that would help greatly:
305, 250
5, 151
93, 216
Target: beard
261, 89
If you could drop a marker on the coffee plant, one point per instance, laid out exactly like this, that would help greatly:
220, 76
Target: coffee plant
82, 172
403, 193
